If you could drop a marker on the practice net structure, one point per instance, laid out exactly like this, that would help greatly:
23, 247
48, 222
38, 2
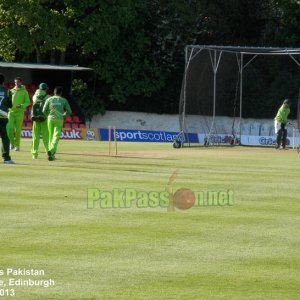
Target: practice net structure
211, 100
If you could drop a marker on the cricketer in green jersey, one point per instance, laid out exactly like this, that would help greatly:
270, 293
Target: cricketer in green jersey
39, 125
280, 121
20, 101
56, 109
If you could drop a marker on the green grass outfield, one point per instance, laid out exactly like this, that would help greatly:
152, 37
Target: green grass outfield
248, 250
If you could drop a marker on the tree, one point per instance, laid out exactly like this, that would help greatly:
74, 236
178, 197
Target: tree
288, 25
39, 29
239, 22
170, 26
137, 47
112, 36
85, 98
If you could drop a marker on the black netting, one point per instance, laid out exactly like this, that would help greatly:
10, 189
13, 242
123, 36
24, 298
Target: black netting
197, 94
210, 95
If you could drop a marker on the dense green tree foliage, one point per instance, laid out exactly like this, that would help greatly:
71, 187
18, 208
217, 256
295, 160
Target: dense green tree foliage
28, 26
137, 47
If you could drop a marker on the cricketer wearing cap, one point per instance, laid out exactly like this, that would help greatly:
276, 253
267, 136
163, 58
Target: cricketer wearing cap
56, 109
20, 100
39, 125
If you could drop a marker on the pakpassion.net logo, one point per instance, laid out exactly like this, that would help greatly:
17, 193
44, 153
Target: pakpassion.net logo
182, 198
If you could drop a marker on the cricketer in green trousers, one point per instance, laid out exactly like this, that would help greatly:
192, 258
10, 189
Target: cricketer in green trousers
39, 125
280, 122
56, 109
20, 101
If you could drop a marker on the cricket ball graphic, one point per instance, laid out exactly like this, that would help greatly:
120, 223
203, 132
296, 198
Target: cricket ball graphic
184, 198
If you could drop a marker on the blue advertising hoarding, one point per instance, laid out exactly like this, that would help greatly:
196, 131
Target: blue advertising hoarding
127, 135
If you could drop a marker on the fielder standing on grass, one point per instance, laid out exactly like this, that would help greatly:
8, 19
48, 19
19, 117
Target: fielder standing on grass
281, 120
56, 109
5, 104
20, 101
39, 120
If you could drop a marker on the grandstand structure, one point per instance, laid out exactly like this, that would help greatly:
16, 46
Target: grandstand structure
53, 75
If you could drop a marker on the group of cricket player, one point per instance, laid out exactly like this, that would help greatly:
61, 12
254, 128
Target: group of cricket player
13, 104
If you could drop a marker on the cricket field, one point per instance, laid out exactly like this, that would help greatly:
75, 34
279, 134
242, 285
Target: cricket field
93, 226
